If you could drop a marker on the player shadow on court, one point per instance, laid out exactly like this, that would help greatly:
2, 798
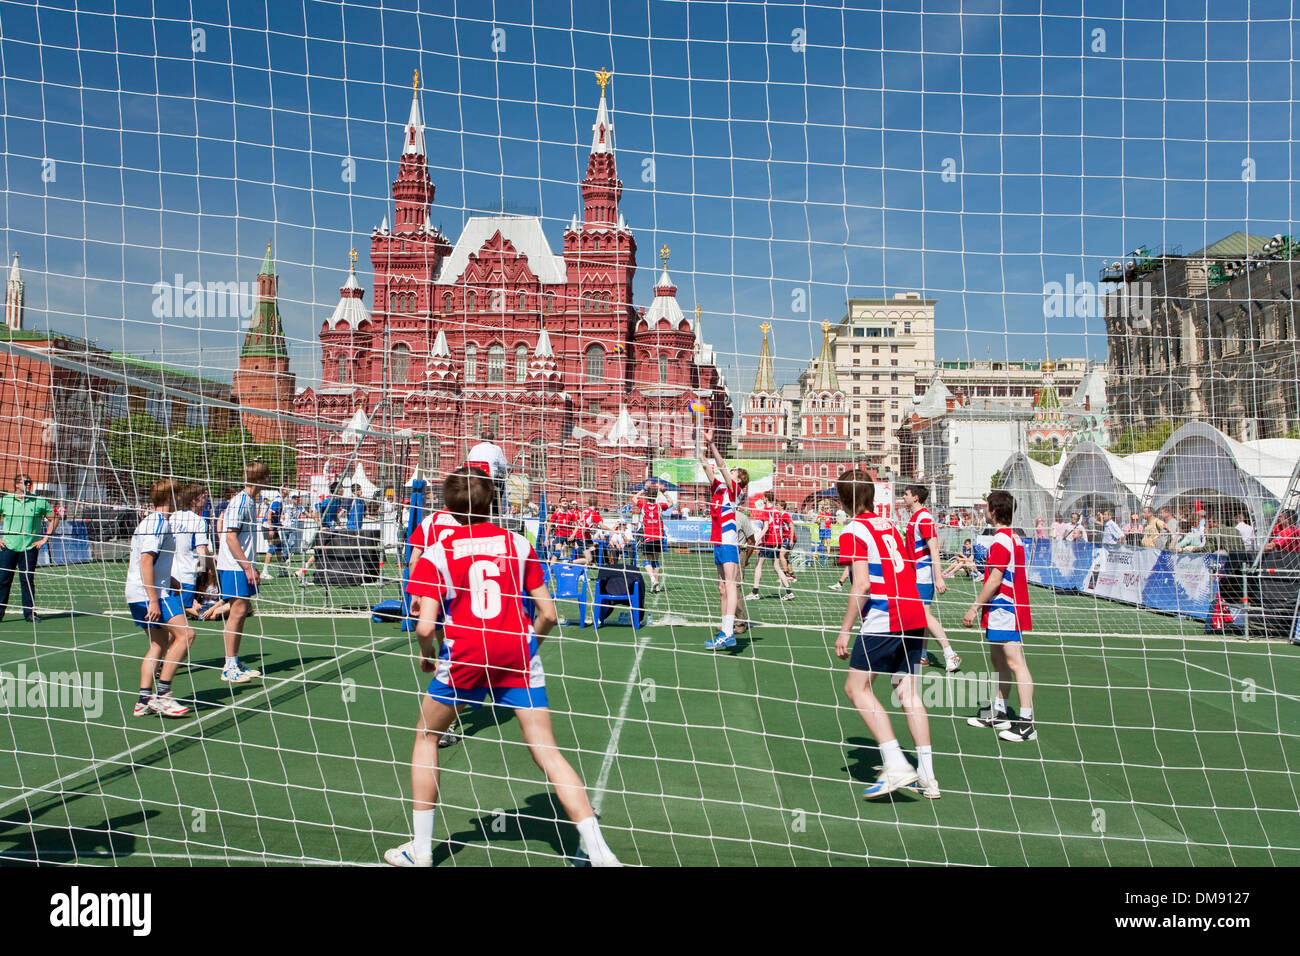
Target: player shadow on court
540, 820
863, 761
34, 843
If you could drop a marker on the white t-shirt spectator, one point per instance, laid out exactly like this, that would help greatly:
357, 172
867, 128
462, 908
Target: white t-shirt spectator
1247, 533
1112, 533
487, 453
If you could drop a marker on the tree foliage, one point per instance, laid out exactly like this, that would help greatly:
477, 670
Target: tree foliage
142, 452
1046, 452
1133, 440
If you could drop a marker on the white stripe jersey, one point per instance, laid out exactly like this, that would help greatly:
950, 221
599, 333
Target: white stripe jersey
241, 518
920, 528
153, 536
191, 533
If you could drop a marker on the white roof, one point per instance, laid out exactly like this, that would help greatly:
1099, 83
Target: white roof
413, 146
603, 144
664, 306
356, 425
543, 349
1091, 391
440, 349
358, 477
623, 431
935, 400
525, 234
351, 309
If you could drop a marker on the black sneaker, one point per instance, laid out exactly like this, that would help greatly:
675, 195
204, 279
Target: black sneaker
754, 595
1019, 731
985, 717
449, 739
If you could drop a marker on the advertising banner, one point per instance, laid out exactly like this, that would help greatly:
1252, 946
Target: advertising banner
1182, 583
1120, 573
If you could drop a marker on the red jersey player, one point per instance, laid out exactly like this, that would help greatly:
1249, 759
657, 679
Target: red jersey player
651, 511
585, 526
890, 639
769, 544
787, 539
481, 574
1004, 603
922, 541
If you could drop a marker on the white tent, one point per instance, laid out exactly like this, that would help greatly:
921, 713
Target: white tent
1200, 460
358, 477
1091, 477
1033, 485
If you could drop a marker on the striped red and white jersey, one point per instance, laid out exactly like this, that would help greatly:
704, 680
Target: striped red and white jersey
431, 528
1009, 609
892, 604
920, 528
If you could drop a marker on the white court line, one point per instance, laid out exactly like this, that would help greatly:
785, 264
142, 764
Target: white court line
222, 857
266, 690
611, 751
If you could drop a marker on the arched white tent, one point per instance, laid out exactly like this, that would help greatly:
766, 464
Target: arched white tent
1200, 460
1092, 477
1033, 485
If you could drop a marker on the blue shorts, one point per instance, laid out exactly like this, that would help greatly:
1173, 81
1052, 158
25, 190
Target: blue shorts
235, 584
189, 594
926, 591
726, 554
516, 698
823, 534
170, 606
767, 553
889, 653
1003, 637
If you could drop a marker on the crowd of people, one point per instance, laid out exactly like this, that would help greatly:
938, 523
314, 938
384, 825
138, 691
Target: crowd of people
1203, 531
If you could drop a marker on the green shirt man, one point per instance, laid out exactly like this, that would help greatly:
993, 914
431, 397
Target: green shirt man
24, 517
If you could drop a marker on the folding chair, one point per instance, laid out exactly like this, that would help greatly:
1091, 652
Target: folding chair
569, 582
616, 584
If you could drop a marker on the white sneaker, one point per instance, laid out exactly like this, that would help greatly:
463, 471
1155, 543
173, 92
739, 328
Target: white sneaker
610, 860
926, 788
405, 855
836, 587
164, 705
952, 661
889, 781
236, 675
250, 671
268, 573
141, 708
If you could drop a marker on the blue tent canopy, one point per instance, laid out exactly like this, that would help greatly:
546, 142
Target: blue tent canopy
663, 483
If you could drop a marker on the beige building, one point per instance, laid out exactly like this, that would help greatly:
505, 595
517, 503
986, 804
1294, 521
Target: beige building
1011, 383
880, 347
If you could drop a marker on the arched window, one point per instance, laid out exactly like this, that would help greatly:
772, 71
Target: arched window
586, 302
447, 302
496, 365
830, 426
521, 363
588, 477
345, 370
471, 301
494, 420
520, 303
537, 460
400, 364
622, 484
471, 363
596, 363
663, 369
550, 302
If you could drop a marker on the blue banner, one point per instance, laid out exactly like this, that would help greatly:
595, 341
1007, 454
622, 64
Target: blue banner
1183, 584
688, 532
70, 544
1062, 565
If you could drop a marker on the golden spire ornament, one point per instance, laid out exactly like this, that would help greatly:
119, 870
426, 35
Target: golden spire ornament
603, 77
765, 328
353, 256
663, 255
415, 81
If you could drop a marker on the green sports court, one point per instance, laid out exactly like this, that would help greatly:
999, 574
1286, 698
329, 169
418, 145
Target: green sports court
1158, 745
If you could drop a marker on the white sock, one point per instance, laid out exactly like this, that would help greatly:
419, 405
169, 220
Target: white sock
892, 754
728, 624
1027, 714
949, 652
1000, 705
925, 762
422, 827
593, 843
232, 661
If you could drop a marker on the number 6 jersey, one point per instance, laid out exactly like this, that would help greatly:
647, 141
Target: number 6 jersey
892, 604
481, 574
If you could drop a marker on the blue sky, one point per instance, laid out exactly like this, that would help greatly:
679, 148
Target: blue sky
782, 160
